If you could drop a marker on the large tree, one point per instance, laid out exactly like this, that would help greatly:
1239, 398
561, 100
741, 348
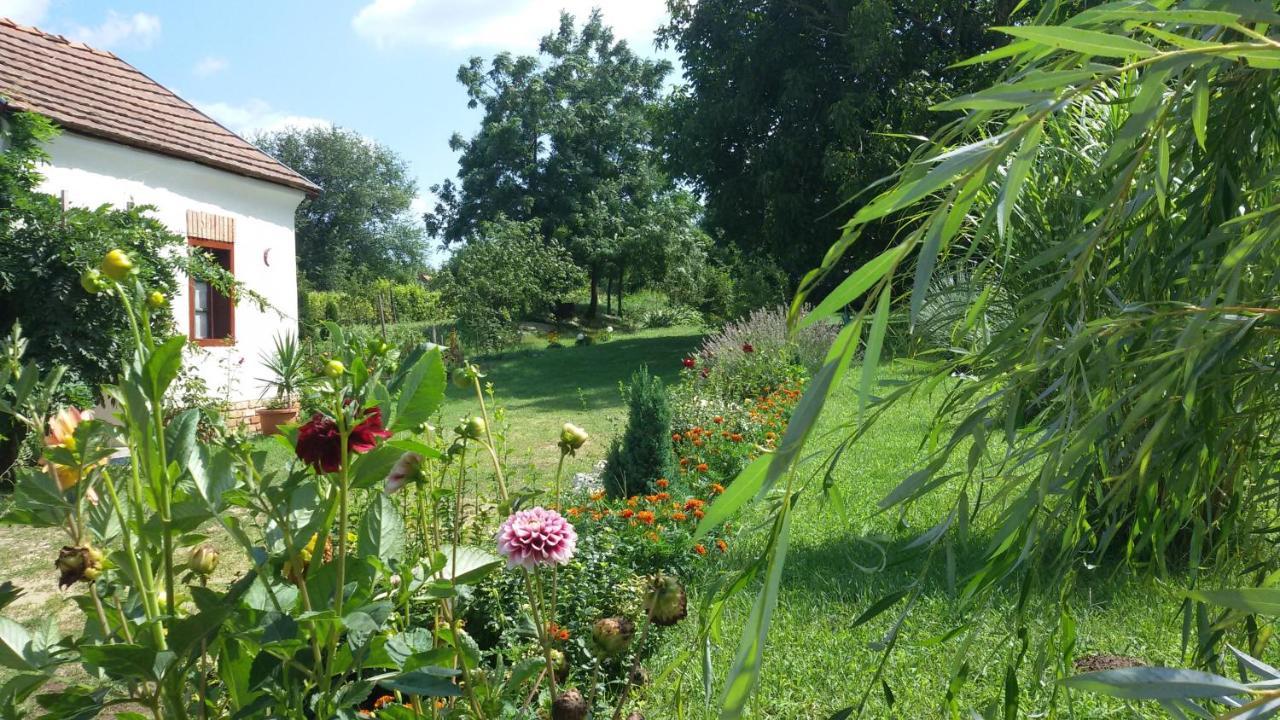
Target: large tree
566, 141
360, 225
790, 107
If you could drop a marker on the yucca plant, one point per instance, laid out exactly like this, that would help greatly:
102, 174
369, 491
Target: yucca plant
1120, 186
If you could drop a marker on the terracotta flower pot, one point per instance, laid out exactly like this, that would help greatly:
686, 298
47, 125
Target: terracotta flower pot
270, 419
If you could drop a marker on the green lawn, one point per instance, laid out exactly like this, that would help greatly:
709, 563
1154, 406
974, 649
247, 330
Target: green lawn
540, 390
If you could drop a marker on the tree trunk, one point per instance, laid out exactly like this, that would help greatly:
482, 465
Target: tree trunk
608, 297
594, 307
621, 274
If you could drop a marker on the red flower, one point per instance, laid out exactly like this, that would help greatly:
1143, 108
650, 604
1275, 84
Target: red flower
690, 362
320, 442
748, 348
364, 436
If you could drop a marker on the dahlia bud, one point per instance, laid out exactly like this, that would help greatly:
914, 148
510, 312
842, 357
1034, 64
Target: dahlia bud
91, 280
666, 601
334, 368
78, 563
559, 664
612, 635
116, 265
203, 560
473, 428
572, 437
155, 300
464, 377
640, 677
569, 706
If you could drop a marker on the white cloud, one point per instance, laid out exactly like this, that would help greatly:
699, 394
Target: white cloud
139, 30
25, 12
500, 24
210, 65
257, 116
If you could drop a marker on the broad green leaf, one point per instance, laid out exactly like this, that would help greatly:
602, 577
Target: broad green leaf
420, 391
473, 564
428, 682
1153, 683
381, 530
14, 642
123, 660
164, 365
1088, 42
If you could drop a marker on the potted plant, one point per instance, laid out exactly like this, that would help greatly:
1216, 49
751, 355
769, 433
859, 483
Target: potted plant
288, 367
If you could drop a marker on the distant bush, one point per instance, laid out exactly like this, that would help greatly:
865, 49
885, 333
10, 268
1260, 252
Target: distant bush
401, 303
643, 454
750, 355
655, 309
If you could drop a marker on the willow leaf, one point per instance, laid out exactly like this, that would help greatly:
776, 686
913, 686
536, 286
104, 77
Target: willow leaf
1087, 42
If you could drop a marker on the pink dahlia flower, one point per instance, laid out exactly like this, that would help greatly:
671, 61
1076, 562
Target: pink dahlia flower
536, 537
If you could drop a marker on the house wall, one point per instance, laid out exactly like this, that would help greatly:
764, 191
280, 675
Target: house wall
94, 172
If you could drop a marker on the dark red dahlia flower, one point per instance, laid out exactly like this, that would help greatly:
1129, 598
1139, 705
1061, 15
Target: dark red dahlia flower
320, 443
690, 362
748, 348
364, 437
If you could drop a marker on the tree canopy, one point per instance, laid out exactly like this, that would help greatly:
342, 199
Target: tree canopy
790, 107
361, 224
566, 141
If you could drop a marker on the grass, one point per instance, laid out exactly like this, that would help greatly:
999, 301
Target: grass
817, 663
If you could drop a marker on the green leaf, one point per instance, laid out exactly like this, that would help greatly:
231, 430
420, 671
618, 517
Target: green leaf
852, 287
740, 491
14, 643
744, 676
1200, 112
1259, 600
420, 391
430, 682
163, 366
123, 660
1153, 683
875, 343
473, 564
1019, 169
1088, 42
381, 530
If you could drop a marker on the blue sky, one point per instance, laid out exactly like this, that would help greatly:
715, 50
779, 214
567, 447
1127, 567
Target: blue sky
384, 68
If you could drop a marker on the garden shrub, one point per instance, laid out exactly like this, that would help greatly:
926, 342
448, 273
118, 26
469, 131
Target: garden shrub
643, 454
748, 356
402, 303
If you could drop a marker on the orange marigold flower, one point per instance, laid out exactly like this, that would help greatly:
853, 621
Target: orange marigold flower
574, 511
597, 496
694, 503
633, 501
700, 549
736, 437
717, 419
698, 514
628, 513
717, 488
675, 437
724, 546
645, 517
699, 442
684, 462
597, 516
662, 497
679, 516
383, 701
702, 467
662, 482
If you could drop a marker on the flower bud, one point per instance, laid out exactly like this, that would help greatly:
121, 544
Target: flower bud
569, 706
612, 635
91, 281
464, 377
666, 602
75, 564
116, 265
203, 560
559, 664
334, 368
473, 428
572, 437
155, 300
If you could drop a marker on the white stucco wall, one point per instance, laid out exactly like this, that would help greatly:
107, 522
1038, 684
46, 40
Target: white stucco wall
94, 172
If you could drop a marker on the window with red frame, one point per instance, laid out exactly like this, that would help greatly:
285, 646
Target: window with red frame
213, 314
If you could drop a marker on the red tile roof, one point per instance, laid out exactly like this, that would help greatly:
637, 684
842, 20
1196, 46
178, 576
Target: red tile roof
93, 92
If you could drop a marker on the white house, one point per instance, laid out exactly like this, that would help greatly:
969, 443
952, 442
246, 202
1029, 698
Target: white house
127, 139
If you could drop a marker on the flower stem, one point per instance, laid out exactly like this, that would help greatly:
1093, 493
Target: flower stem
488, 438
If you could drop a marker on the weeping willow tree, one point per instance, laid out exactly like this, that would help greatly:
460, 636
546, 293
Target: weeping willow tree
1119, 191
